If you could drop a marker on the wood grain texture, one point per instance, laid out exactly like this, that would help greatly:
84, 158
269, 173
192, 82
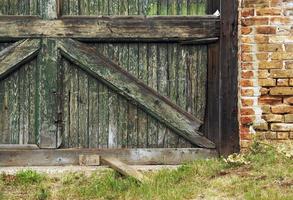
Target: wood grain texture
166, 28
112, 75
129, 156
17, 93
124, 169
17, 54
23, 7
138, 7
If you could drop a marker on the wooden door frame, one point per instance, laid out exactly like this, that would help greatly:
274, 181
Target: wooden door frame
221, 122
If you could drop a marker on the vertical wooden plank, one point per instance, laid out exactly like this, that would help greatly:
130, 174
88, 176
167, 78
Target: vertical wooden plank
132, 109
113, 7
24, 104
13, 8
142, 116
229, 129
191, 76
93, 7
113, 54
181, 90
152, 82
4, 117
83, 7
122, 107
162, 87
13, 107
93, 112
200, 101
172, 7
163, 7
65, 7
171, 140
48, 9
32, 106
103, 116
48, 94
83, 109
152, 7
73, 7
103, 7
184, 7
123, 7
74, 134
133, 7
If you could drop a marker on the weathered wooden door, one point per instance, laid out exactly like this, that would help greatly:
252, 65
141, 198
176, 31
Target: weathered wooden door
136, 80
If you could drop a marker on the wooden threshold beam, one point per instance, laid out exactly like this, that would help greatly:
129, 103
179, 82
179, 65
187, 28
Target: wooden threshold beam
101, 28
59, 157
122, 82
17, 54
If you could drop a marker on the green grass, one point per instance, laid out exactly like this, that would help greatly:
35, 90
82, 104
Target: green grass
261, 173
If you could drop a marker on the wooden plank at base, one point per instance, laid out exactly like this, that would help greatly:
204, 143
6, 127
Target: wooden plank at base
18, 146
123, 168
89, 160
60, 157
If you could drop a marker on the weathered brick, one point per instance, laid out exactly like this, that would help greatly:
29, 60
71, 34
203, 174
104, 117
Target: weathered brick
279, 21
282, 135
247, 102
255, 21
270, 65
266, 30
281, 127
291, 82
261, 39
288, 100
273, 118
289, 118
247, 119
269, 100
255, 3
266, 109
270, 47
281, 73
262, 56
261, 126
247, 12
291, 135
247, 92
289, 48
263, 74
267, 82
282, 109
246, 111
268, 11
282, 82
246, 30
246, 82
281, 91
271, 135
246, 57
282, 56
289, 64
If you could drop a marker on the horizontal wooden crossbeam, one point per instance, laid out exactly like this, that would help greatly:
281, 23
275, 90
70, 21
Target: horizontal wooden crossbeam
128, 28
17, 54
100, 67
45, 157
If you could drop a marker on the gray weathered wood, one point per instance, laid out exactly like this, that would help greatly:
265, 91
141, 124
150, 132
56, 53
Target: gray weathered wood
124, 169
14, 56
62, 157
18, 146
122, 82
89, 160
166, 28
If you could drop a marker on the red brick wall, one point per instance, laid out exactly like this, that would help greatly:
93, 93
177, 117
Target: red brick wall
266, 70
